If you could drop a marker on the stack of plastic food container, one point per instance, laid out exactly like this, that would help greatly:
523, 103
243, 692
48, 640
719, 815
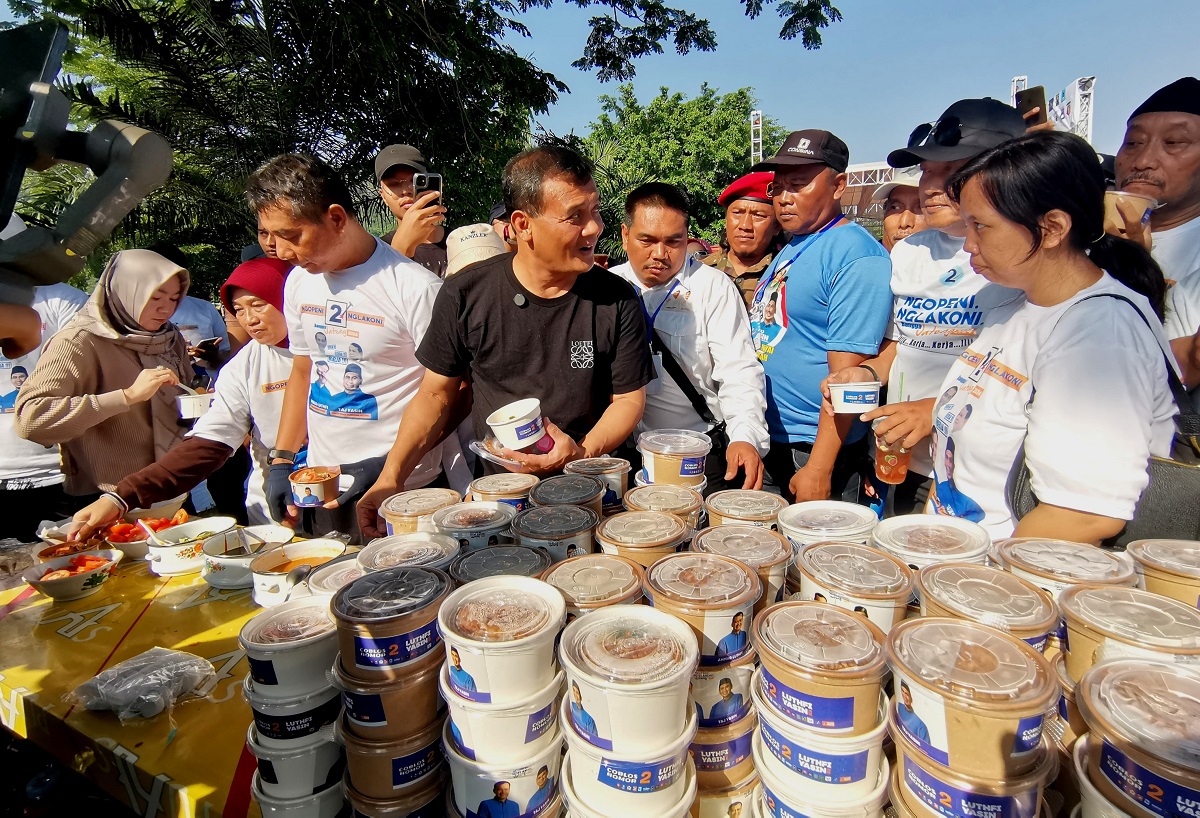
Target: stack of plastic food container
595, 581
421, 548
826, 521
289, 649
1169, 567
510, 489
855, 577
673, 457
744, 507
627, 717
614, 471
563, 531
502, 685
411, 511
642, 536
570, 490
499, 561
821, 712
685, 503
387, 670
758, 548
967, 718
476, 525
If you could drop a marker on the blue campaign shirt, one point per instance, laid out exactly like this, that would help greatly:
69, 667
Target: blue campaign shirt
540, 798
912, 723
732, 645
583, 720
726, 708
823, 292
462, 679
495, 808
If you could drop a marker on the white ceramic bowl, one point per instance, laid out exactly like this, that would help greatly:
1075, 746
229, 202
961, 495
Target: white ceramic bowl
227, 559
272, 585
182, 549
160, 510
77, 586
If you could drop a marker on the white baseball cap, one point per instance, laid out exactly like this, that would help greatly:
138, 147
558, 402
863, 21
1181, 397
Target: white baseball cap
901, 177
471, 243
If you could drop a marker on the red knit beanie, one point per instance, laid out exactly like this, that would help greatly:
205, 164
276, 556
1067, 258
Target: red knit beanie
261, 277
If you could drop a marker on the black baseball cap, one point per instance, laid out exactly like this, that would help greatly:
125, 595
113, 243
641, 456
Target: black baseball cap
811, 147
402, 155
964, 130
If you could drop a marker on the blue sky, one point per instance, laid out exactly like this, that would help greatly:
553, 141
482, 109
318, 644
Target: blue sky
890, 65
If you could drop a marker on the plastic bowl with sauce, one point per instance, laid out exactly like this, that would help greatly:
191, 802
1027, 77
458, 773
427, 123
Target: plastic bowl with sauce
475, 525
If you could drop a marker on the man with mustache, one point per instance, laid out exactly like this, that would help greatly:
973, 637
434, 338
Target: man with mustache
901, 198
751, 231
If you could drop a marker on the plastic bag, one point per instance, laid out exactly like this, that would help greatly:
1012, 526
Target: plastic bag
147, 684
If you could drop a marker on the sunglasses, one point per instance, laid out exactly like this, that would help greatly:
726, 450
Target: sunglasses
945, 132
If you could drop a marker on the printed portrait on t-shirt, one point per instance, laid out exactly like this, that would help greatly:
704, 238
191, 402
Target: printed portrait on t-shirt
946, 497
16, 379
319, 394
354, 402
768, 315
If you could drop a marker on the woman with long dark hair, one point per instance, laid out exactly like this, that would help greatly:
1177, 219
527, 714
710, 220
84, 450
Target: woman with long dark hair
1075, 370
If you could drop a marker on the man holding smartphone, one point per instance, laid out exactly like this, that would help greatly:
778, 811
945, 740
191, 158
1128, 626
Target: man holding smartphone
419, 213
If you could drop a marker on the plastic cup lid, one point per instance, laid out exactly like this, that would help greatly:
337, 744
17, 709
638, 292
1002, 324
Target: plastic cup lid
746, 504
1176, 556
554, 522
479, 516
675, 442
704, 579
566, 489
1072, 561
394, 592
829, 517
642, 528
417, 548
593, 578
499, 614
966, 660
663, 497
819, 636
988, 595
419, 502
932, 536
598, 465
1137, 616
855, 568
504, 484
290, 622
328, 579
499, 560
1153, 705
630, 648
748, 544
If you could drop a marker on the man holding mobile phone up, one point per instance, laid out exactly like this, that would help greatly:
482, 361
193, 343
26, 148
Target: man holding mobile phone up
420, 216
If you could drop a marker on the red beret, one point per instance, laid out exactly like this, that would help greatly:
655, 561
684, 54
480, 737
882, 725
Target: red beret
751, 186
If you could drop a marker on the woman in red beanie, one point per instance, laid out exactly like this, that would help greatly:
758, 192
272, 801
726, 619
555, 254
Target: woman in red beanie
248, 397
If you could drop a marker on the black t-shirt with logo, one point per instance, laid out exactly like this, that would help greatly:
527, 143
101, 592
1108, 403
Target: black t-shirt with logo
573, 352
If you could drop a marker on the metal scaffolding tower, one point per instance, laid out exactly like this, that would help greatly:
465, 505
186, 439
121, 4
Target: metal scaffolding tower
756, 137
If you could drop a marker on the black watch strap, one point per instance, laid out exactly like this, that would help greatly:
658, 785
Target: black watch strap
281, 454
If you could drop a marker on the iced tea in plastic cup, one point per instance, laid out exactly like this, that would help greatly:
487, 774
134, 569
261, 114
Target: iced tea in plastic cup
891, 459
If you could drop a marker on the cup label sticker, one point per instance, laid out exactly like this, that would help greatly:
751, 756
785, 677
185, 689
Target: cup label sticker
262, 671
722, 696
1029, 735
861, 398
943, 799
372, 653
692, 466
921, 717
1038, 643
1151, 792
584, 713
540, 723
407, 769
829, 769
468, 672
533, 427
726, 636
814, 711
282, 728
723, 755
364, 708
633, 776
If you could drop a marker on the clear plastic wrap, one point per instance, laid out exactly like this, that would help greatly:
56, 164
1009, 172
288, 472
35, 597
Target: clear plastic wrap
147, 684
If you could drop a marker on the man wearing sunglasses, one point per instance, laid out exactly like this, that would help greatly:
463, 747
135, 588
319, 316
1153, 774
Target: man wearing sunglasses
940, 302
822, 305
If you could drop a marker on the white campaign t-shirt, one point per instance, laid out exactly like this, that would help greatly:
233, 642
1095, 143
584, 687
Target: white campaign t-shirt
1177, 250
1183, 316
1102, 407
940, 305
23, 463
361, 328
248, 400
198, 320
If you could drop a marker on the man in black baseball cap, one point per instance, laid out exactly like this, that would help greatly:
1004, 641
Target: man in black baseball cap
418, 221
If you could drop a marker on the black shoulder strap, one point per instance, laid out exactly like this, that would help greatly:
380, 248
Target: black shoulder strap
681, 380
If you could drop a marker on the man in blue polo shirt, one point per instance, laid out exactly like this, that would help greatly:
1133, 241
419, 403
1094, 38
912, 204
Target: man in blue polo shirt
823, 305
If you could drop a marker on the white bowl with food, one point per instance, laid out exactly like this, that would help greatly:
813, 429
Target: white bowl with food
163, 508
227, 558
73, 577
180, 549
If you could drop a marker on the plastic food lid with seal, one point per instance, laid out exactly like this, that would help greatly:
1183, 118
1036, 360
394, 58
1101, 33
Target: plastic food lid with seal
566, 489
675, 442
554, 522
598, 466
1064, 560
746, 504
971, 663
1175, 556
932, 536
663, 497
497, 561
419, 502
327, 579
642, 528
295, 621
475, 516
498, 613
1155, 706
389, 593
829, 518
417, 548
856, 569
630, 648
504, 484
988, 595
748, 544
820, 637
593, 578
704, 580
1135, 616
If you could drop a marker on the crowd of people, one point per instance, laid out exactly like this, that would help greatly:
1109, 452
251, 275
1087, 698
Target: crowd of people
998, 279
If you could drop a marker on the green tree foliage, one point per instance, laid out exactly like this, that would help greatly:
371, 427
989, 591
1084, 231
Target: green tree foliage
700, 144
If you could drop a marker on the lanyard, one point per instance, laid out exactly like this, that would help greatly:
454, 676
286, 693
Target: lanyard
782, 265
650, 318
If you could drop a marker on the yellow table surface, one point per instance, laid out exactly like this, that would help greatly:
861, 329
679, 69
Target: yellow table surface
48, 648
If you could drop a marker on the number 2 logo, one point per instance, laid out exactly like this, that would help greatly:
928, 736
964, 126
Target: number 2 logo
335, 313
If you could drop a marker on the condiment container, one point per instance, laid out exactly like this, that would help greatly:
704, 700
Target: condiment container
424, 797
758, 548
475, 525
682, 501
387, 620
499, 561
310, 766
504, 733
1108, 622
826, 521
289, 721
744, 507
570, 490
714, 595
988, 596
510, 489
970, 697
822, 667
674, 456
642, 536
289, 647
578, 808
856, 578
737, 801
327, 803
595, 581
722, 693
411, 511
790, 797
419, 548
380, 769
928, 539
392, 709
475, 783
628, 670
1169, 567
723, 754
500, 634
854, 398
614, 471
519, 426
563, 531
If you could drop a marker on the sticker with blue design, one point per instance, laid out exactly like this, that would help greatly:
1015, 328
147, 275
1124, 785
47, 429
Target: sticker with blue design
636, 777
951, 802
1149, 790
815, 711
372, 653
829, 769
722, 755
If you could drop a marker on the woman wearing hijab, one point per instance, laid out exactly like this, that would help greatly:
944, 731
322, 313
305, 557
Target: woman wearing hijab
248, 399
100, 389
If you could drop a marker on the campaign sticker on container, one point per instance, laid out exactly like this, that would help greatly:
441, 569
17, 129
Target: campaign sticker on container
950, 801
364, 708
262, 671
817, 711
540, 723
692, 466
1150, 791
283, 728
845, 769
640, 777
407, 769
371, 653
723, 755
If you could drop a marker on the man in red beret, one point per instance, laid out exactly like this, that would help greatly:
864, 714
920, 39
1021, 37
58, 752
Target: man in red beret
750, 232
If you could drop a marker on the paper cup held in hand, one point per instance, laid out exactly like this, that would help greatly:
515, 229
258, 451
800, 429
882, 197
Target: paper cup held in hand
518, 426
314, 486
854, 397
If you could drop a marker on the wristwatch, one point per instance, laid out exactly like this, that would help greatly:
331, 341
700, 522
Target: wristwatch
281, 454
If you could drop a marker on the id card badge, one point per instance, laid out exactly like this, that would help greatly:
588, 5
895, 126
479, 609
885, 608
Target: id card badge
655, 386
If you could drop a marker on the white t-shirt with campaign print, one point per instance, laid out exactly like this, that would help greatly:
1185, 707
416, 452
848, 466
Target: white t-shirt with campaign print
1177, 250
940, 306
361, 328
198, 320
248, 399
1102, 407
23, 463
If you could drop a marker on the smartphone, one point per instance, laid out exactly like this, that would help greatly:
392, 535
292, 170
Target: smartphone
425, 182
1030, 98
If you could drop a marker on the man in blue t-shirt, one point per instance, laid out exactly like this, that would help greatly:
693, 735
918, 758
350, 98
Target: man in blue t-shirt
498, 806
911, 722
731, 703
580, 717
823, 305
733, 645
544, 793
462, 681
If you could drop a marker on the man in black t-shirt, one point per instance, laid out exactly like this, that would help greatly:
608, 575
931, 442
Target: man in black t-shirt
544, 323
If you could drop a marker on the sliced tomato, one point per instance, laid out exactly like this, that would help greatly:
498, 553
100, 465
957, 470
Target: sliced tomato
180, 517
61, 573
